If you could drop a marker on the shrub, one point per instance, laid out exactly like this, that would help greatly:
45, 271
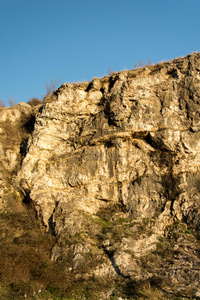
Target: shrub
34, 102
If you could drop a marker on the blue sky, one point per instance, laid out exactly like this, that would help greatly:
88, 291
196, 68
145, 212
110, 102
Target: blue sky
76, 40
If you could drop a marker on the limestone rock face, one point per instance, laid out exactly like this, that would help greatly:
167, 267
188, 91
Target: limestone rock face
132, 138
16, 124
130, 141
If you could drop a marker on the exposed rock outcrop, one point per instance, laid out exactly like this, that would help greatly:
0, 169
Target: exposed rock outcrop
16, 125
112, 166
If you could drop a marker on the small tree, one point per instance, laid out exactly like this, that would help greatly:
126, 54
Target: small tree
149, 62
142, 64
12, 102
2, 103
51, 86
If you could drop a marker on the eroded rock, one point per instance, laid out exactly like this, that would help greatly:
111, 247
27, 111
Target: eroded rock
129, 141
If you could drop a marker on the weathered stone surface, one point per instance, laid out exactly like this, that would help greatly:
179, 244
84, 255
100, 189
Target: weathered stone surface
16, 125
130, 140
123, 139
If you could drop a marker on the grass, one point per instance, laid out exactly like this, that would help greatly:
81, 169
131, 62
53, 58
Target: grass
26, 267
150, 292
114, 226
25, 255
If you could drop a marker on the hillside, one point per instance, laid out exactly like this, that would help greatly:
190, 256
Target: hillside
100, 188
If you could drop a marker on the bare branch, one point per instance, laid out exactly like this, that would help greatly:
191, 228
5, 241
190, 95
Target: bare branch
12, 102
51, 86
2, 103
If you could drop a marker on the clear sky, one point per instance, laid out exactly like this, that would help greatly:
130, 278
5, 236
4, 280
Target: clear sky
76, 40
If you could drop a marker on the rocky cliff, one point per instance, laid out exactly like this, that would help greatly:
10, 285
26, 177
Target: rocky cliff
112, 169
